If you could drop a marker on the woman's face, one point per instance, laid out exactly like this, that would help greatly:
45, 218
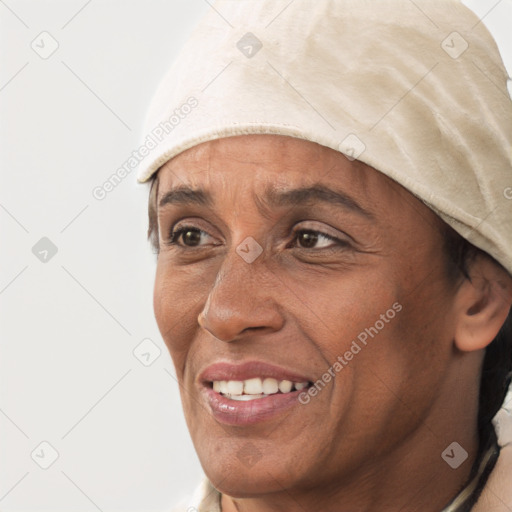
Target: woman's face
287, 289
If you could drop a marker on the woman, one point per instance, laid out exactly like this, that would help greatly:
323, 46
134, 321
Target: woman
329, 207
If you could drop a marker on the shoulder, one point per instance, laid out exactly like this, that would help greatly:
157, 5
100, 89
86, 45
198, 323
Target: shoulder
497, 493
205, 499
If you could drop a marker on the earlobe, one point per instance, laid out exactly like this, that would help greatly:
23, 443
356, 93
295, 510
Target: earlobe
483, 304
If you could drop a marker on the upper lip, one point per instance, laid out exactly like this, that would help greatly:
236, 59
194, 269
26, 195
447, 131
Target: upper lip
248, 370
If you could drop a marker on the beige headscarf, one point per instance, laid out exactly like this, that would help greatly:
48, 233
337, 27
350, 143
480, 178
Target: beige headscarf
414, 88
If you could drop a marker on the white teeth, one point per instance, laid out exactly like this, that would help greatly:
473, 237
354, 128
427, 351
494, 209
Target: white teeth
285, 386
246, 398
253, 386
251, 389
270, 386
235, 387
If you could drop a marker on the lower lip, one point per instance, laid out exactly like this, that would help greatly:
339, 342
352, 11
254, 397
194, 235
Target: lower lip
233, 412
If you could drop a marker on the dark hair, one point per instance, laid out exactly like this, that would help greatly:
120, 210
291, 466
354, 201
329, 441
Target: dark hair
153, 213
497, 365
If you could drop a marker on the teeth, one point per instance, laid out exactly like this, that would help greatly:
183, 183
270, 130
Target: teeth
251, 389
235, 387
246, 398
253, 386
285, 386
270, 386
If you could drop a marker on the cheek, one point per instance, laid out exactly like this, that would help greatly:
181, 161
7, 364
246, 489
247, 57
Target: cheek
342, 310
398, 371
374, 323
177, 304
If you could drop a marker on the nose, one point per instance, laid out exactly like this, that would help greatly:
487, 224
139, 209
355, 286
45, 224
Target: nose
241, 300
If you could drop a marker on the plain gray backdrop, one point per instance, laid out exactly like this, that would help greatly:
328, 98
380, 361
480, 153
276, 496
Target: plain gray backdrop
90, 414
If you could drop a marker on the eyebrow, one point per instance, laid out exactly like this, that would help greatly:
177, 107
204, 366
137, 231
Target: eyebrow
184, 195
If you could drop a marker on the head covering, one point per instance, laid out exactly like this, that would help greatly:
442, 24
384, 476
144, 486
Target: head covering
414, 88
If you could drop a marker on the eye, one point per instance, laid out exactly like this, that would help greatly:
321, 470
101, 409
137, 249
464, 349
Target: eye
187, 234
309, 238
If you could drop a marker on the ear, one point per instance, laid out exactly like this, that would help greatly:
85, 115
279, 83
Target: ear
483, 302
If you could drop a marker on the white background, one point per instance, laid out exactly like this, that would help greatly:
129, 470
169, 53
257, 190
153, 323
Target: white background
68, 327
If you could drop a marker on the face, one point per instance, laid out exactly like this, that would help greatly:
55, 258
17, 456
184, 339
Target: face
264, 282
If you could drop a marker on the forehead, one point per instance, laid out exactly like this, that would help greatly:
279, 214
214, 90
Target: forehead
258, 161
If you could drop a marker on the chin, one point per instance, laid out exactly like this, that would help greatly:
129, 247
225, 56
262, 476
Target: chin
249, 483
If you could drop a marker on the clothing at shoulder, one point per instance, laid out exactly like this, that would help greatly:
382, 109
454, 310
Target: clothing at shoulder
205, 499
496, 495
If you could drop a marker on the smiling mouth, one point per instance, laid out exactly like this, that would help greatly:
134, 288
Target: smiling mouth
255, 388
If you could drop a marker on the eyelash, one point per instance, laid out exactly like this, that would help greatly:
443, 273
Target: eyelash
174, 237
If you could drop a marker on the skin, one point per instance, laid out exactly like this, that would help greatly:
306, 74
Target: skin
372, 439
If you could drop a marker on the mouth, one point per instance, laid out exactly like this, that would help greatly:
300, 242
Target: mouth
249, 393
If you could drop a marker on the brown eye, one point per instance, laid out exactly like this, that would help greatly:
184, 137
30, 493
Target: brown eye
309, 238
191, 236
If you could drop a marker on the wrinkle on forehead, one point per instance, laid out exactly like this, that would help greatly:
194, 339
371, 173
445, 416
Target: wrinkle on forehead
282, 162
